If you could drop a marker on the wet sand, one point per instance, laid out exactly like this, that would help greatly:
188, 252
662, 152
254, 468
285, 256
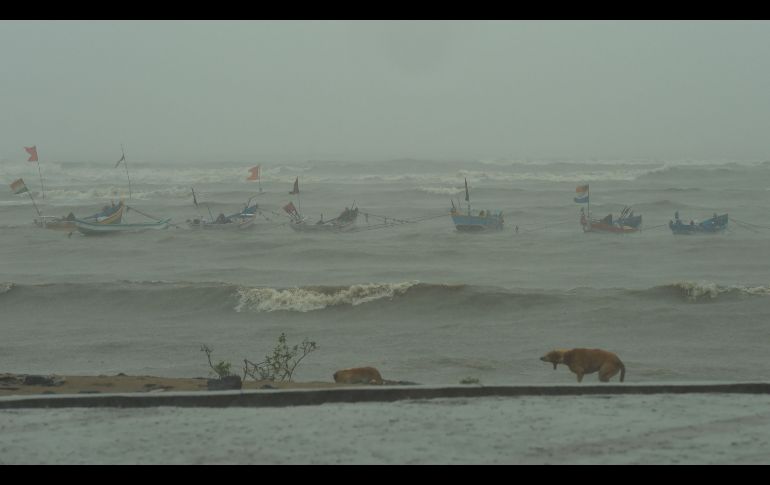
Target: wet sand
13, 384
624, 429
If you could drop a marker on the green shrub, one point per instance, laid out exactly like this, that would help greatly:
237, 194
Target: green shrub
281, 364
222, 369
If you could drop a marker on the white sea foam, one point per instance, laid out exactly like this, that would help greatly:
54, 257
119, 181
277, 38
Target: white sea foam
753, 290
309, 299
697, 290
63, 176
441, 190
115, 192
557, 176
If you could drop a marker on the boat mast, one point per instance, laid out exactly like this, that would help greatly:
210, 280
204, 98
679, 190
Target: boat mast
125, 164
467, 197
299, 202
589, 205
32, 151
29, 193
42, 187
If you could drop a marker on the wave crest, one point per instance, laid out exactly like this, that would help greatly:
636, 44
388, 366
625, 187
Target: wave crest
316, 298
114, 192
706, 290
441, 190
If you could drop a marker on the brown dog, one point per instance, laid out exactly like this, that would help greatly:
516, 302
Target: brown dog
588, 361
358, 375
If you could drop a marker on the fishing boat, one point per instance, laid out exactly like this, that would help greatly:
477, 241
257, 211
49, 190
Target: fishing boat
108, 215
484, 220
96, 227
714, 225
626, 223
238, 221
244, 219
343, 222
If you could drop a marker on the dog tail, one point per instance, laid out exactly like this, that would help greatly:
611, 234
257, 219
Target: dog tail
622, 372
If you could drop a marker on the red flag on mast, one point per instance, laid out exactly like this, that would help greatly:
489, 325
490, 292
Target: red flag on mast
32, 153
254, 173
296, 187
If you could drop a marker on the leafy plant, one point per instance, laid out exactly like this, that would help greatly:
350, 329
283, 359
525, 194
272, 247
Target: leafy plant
222, 369
281, 364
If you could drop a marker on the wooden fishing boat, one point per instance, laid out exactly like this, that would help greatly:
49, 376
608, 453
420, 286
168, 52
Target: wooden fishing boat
108, 215
714, 225
244, 219
234, 222
626, 223
95, 228
479, 222
345, 221
603, 225
483, 221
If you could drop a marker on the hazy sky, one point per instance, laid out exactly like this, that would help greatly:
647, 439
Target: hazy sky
277, 91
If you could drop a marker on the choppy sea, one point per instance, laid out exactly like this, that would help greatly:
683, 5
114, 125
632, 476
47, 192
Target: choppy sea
419, 301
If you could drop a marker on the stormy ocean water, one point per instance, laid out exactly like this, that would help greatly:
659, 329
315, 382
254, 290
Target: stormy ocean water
419, 301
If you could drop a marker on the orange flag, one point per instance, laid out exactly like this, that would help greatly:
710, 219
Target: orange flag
32, 153
254, 173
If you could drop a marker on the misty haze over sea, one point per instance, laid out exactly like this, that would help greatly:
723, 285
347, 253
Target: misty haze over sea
420, 301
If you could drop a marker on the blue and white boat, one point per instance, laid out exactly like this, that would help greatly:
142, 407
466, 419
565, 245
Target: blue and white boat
244, 219
484, 220
95, 228
714, 225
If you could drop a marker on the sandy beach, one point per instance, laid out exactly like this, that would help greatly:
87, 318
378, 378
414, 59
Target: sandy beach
13, 384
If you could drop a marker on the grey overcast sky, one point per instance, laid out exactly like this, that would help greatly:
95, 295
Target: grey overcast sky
361, 90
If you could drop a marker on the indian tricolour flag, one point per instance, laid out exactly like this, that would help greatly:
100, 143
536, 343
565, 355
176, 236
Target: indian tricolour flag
582, 194
18, 187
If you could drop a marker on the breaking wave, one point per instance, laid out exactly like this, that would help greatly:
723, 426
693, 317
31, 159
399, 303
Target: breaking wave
402, 298
6, 287
316, 298
113, 192
441, 190
700, 291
